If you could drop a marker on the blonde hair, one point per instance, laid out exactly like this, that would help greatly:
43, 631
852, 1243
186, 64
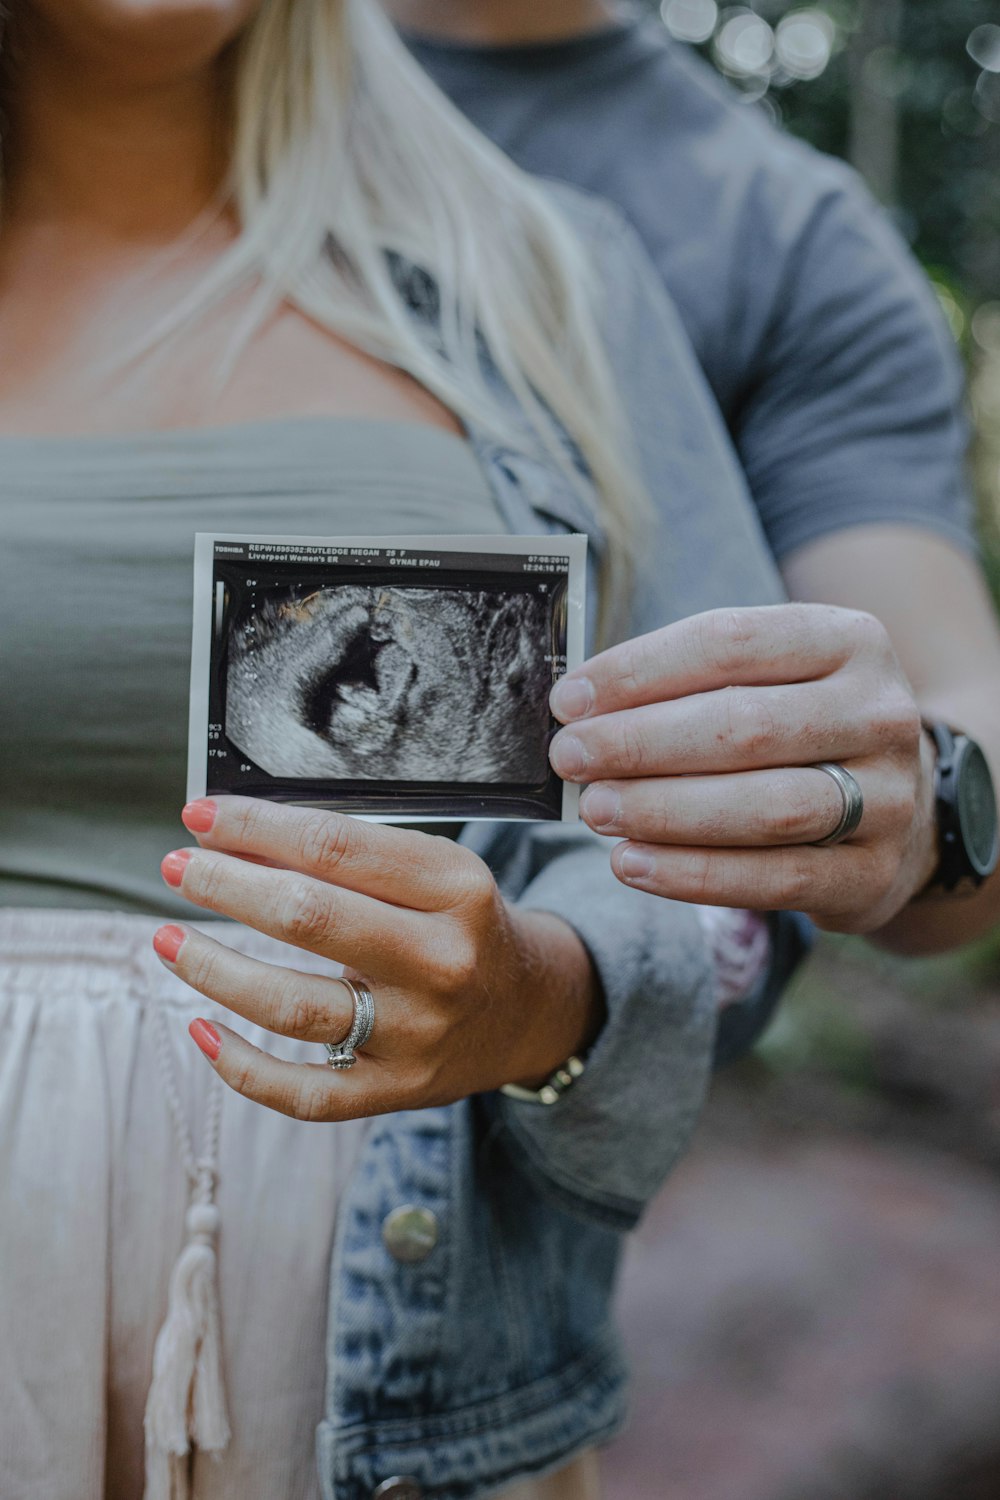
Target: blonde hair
346, 158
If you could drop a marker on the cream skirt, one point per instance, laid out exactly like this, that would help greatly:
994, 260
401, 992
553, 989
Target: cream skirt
93, 1194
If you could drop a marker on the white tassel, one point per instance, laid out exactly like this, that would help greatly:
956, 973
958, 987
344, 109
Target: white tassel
187, 1398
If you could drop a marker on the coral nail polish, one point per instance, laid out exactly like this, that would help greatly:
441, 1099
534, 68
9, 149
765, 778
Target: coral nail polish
207, 1037
199, 816
172, 868
168, 942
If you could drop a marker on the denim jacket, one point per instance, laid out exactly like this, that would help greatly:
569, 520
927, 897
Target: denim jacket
470, 1342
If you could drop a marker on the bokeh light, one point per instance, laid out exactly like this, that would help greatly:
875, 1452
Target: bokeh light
983, 47
690, 20
744, 43
959, 115
757, 53
987, 96
986, 327
803, 43
951, 309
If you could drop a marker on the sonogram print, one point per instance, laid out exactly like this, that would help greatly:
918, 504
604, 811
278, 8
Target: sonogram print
393, 684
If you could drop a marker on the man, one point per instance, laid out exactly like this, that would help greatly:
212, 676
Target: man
717, 748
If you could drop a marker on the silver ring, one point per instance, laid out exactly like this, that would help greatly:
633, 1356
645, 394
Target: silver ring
341, 1054
854, 804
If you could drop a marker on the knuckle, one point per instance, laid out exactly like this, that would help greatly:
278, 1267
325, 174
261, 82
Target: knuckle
210, 876
724, 636
897, 804
430, 1032
628, 680
630, 748
475, 881
751, 727
709, 824
456, 968
798, 885
199, 967
902, 719
313, 1106
868, 631
299, 1014
636, 666
242, 1078
699, 874
791, 811
325, 842
305, 916
251, 820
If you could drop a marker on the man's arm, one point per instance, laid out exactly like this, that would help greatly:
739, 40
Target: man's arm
933, 601
700, 742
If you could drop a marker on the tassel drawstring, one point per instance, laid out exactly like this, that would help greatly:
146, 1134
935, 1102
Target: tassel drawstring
186, 1406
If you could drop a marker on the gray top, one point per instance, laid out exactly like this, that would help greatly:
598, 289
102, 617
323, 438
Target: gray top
819, 336
95, 617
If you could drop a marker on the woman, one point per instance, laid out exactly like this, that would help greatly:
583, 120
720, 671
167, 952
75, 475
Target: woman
256, 275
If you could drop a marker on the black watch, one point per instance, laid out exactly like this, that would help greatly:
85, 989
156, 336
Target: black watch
968, 828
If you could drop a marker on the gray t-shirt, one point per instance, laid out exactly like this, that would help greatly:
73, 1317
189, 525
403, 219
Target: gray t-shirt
818, 334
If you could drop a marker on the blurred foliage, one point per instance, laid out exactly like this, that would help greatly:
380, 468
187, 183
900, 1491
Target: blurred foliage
909, 92
902, 69
813, 1031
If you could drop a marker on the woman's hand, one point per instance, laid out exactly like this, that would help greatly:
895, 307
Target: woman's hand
469, 992
698, 742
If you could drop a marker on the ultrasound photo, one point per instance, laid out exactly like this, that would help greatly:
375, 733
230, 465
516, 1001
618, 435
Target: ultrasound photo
398, 679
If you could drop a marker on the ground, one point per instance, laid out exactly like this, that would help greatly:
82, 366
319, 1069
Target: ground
813, 1304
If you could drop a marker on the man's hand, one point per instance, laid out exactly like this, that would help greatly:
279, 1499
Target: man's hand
699, 744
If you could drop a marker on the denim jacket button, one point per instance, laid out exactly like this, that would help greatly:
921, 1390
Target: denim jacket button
410, 1235
400, 1487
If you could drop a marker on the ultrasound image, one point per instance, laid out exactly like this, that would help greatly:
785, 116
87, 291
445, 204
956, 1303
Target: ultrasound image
393, 683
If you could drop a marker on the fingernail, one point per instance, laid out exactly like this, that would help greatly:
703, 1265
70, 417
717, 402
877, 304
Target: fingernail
207, 1037
173, 867
635, 866
601, 806
572, 698
568, 756
168, 942
199, 816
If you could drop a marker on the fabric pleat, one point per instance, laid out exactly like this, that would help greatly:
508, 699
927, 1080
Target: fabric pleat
93, 1198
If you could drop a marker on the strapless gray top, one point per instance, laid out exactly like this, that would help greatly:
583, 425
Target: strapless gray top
95, 617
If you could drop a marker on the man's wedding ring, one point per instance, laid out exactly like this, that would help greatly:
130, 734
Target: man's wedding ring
853, 804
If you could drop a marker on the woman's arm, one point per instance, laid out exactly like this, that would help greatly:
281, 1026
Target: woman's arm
472, 990
608, 1144
457, 973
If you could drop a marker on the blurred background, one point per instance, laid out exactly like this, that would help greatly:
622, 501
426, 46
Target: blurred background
813, 1306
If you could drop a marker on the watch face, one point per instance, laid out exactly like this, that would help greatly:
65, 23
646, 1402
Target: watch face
977, 810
